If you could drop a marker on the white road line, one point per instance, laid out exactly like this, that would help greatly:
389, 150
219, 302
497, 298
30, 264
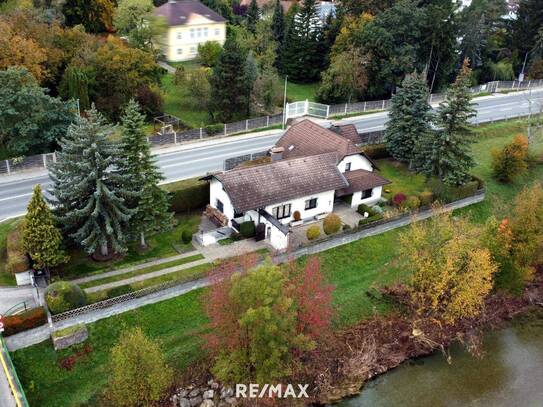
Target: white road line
16, 196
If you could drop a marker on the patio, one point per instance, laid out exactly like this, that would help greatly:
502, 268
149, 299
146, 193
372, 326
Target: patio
349, 216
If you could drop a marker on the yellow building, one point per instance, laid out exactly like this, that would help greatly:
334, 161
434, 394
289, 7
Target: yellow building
190, 23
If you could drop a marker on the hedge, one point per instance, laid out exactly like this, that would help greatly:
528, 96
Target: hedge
376, 151
17, 260
190, 198
26, 320
247, 229
447, 193
186, 236
362, 208
63, 296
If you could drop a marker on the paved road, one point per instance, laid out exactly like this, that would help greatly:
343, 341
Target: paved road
201, 158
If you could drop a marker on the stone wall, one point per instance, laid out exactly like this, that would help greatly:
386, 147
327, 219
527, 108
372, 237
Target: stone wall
211, 395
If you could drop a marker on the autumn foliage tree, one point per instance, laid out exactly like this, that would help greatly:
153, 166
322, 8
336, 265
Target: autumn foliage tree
451, 272
512, 160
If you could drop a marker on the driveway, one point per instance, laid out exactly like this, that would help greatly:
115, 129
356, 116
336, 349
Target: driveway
11, 296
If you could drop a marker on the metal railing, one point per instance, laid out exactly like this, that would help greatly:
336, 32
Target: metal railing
15, 386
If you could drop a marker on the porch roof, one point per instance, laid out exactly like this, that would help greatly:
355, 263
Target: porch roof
360, 180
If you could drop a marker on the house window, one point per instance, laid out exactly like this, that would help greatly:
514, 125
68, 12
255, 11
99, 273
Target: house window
311, 203
193, 50
281, 212
192, 33
217, 32
205, 31
179, 35
367, 193
347, 167
220, 206
179, 51
198, 32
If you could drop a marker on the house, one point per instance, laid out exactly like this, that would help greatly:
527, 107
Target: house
311, 168
190, 24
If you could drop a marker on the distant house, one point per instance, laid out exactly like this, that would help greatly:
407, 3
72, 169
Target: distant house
190, 23
311, 167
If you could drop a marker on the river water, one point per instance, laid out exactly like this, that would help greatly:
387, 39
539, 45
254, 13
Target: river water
509, 375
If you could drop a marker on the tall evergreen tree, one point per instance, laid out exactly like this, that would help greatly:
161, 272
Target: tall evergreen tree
447, 150
250, 71
253, 15
42, 239
302, 54
139, 166
410, 117
278, 23
228, 88
88, 189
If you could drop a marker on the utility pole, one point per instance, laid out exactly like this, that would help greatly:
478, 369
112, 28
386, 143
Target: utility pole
285, 103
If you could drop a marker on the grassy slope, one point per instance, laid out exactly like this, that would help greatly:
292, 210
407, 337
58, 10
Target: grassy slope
353, 269
297, 92
5, 277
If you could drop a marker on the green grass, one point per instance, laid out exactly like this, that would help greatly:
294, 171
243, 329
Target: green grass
178, 102
403, 180
5, 277
180, 276
297, 92
355, 269
161, 245
140, 272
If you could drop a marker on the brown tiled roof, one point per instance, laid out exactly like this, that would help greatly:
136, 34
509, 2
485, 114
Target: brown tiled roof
360, 180
257, 187
308, 138
348, 131
180, 12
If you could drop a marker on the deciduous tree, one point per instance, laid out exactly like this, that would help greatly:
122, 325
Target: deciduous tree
138, 373
95, 15
512, 160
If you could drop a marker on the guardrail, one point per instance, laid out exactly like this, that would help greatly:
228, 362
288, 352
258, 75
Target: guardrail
15, 386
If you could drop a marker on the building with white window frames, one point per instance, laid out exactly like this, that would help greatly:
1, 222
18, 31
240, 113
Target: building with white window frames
190, 24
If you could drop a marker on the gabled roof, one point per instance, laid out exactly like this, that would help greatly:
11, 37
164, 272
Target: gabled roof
181, 12
360, 180
348, 131
257, 187
307, 138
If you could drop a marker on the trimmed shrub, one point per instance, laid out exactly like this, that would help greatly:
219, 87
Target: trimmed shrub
399, 199
362, 208
412, 202
448, 193
213, 129
512, 160
63, 296
186, 236
373, 218
190, 198
17, 260
29, 319
247, 229
313, 232
296, 215
331, 224
426, 198
376, 151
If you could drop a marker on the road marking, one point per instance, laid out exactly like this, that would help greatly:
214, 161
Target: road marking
16, 196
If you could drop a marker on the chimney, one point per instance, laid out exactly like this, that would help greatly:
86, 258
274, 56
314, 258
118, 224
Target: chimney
276, 153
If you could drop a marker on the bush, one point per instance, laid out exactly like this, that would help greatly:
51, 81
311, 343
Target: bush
313, 232
296, 215
426, 198
362, 208
412, 202
373, 218
186, 236
63, 296
376, 151
151, 101
213, 129
448, 193
247, 229
511, 161
26, 320
331, 224
190, 198
17, 260
399, 199
208, 53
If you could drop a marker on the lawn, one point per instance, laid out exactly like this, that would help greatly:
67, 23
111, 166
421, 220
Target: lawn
403, 180
161, 245
5, 277
354, 269
297, 92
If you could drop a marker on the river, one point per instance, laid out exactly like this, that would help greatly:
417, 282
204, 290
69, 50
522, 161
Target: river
510, 375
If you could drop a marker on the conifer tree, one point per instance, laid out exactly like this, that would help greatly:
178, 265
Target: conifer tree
89, 190
42, 239
302, 51
139, 167
253, 15
410, 117
250, 71
228, 88
278, 23
446, 151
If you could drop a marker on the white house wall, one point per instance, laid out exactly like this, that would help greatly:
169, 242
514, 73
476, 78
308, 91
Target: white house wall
375, 197
181, 41
325, 204
216, 191
358, 162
